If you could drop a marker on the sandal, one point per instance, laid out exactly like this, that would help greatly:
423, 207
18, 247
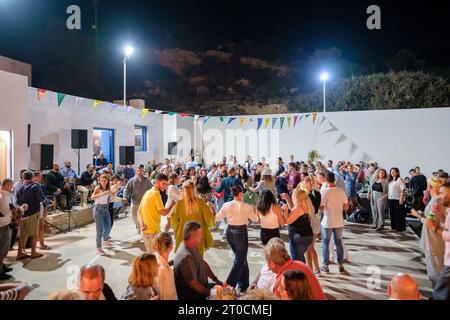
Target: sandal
22, 257
37, 256
45, 248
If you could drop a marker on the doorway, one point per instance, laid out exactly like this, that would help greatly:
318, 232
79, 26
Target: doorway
5, 155
103, 143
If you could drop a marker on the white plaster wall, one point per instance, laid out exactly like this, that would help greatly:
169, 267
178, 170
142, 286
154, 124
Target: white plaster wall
14, 116
402, 138
51, 124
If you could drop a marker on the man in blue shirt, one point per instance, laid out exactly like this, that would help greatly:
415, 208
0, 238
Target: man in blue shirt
129, 172
227, 183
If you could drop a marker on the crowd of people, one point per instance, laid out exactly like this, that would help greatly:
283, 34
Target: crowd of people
310, 200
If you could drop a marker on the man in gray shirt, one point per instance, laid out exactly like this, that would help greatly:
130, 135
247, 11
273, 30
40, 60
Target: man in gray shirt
191, 271
134, 190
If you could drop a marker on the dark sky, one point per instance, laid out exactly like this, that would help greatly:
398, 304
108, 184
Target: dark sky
34, 31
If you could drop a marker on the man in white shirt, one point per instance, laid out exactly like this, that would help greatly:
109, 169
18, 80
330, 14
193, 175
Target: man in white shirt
238, 213
333, 204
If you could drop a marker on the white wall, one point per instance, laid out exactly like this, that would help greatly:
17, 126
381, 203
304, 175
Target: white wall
51, 124
13, 116
402, 138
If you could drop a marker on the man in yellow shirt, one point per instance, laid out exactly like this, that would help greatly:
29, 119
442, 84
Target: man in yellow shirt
151, 209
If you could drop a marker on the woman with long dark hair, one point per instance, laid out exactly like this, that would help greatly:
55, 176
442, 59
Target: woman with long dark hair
396, 197
270, 216
205, 191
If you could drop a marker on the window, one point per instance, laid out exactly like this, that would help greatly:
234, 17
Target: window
140, 138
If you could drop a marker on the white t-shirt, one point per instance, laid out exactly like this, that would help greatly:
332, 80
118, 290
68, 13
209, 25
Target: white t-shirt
333, 199
269, 221
173, 194
395, 189
267, 278
237, 213
5, 201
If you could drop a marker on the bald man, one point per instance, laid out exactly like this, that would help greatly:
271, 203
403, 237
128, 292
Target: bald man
92, 283
403, 287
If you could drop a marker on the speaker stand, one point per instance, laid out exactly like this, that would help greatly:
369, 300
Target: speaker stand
78, 159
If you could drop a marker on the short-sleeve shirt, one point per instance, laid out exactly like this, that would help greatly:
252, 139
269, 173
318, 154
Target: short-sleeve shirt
333, 199
151, 205
395, 189
237, 213
188, 266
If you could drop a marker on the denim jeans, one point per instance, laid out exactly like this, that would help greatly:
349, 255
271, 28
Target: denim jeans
237, 238
102, 223
298, 245
337, 237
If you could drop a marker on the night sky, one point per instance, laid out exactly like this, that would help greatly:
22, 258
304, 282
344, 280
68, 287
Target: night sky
88, 63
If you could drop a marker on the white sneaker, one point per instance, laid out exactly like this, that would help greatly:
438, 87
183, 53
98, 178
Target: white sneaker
107, 244
100, 252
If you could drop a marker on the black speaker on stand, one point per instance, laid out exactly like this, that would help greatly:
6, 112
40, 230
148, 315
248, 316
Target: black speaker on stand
126, 155
79, 141
41, 156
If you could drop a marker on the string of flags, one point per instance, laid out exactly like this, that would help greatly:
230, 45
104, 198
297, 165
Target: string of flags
292, 121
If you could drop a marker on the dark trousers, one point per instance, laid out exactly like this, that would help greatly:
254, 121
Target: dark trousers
418, 203
5, 237
267, 234
237, 238
442, 286
298, 245
68, 194
14, 233
111, 212
397, 215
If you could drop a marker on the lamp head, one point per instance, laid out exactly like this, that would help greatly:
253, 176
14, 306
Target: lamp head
129, 51
324, 76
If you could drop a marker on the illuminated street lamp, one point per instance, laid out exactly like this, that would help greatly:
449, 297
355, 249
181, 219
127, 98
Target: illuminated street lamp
324, 76
128, 53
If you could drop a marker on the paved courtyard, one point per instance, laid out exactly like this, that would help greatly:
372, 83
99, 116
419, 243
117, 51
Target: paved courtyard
374, 258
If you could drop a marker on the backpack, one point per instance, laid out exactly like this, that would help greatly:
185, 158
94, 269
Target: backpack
360, 216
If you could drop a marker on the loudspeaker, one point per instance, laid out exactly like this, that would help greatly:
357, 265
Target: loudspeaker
79, 139
41, 156
172, 148
126, 155
28, 135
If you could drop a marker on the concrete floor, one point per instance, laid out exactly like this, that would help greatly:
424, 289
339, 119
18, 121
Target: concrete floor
373, 257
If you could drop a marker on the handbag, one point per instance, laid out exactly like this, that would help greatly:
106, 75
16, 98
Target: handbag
315, 223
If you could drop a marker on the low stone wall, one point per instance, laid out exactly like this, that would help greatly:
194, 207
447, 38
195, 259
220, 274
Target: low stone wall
79, 217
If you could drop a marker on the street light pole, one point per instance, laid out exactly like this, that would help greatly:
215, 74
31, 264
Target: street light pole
324, 98
124, 80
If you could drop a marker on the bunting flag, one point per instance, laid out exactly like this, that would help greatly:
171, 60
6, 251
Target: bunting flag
231, 120
251, 120
323, 120
281, 122
260, 120
341, 139
129, 109
241, 121
332, 129
266, 122
171, 113
314, 117
61, 97
307, 115
144, 112
366, 157
274, 120
295, 120
300, 119
158, 111
40, 93
78, 100
113, 106
222, 119
96, 103
205, 120
184, 115
353, 148
196, 117
289, 122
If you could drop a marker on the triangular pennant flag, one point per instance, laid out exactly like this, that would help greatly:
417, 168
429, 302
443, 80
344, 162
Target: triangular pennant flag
144, 112
184, 115
78, 100
341, 139
113, 106
332, 129
314, 117
323, 120
307, 115
260, 120
129, 109
266, 122
205, 120
289, 122
274, 120
366, 157
41, 93
158, 111
61, 97
251, 120
300, 119
241, 121
281, 122
171, 113
196, 117
295, 120
231, 120
222, 119
96, 103
353, 148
